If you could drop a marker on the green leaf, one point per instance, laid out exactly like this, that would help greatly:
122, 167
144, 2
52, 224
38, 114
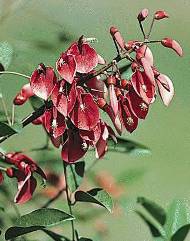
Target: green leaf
154, 209
36, 102
37, 220
155, 229
181, 233
178, 215
6, 53
6, 130
75, 174
128, 146
96, 195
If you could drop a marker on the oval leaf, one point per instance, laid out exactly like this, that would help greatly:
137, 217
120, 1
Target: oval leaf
37, 220
181, 234
96, 195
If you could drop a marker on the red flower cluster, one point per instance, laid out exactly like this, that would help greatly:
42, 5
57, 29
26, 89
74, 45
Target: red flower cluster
73, 121
23, 170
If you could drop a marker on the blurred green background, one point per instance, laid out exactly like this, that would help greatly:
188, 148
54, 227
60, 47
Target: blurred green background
39, 30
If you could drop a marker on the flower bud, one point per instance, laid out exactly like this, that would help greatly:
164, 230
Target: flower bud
27, 91
142, 15
10, 172
125, 83
117, 36
19, 99
38, 121
101, 103
170, 43
160, 15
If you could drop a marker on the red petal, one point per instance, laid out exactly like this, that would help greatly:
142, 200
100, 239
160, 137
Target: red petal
85, 114
113, 99
138, 106
74, 148
101, 145
97, 87
165, 93
145, 52
86, 57
66, 67
54, 125
63, 99
142, 86
148, 70
26, 189
129, 120
42, 81
173, 44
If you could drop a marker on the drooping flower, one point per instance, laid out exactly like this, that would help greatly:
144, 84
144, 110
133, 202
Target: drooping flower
173, 44
23, 171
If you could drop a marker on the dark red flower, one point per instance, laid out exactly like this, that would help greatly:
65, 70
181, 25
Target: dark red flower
64, 97
85, 56
42, 81
143, 86
25, 167
54, 122
66, 67
127, 117
74, 147
85, 114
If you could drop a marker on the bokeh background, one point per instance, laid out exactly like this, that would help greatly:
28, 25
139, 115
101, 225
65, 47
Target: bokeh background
39, 30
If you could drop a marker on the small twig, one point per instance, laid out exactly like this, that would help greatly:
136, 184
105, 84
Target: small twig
69, 201
142, 29
13, 115
150, 30
53, 199
15, 73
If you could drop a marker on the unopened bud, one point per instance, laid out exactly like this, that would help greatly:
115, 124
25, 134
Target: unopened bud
142, 15
19, 99
101, 103
10, 172
111, 80
170, 43
160, 15
117, 36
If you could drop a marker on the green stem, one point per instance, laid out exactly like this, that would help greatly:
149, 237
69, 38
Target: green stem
15, 73
69, 201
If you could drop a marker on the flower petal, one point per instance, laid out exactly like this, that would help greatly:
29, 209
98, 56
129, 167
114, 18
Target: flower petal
42, 81
165, 93
66, 67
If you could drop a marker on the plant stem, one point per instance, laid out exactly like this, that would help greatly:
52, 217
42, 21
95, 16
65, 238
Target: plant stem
15, 73
150, 30
5, 109
69, 201
142, 29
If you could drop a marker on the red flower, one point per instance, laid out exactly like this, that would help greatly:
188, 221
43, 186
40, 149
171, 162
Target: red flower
160, 14
54, 122
142, 15
85, 56
74, 146
25, 167
64, 97
85, 114
42, 81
